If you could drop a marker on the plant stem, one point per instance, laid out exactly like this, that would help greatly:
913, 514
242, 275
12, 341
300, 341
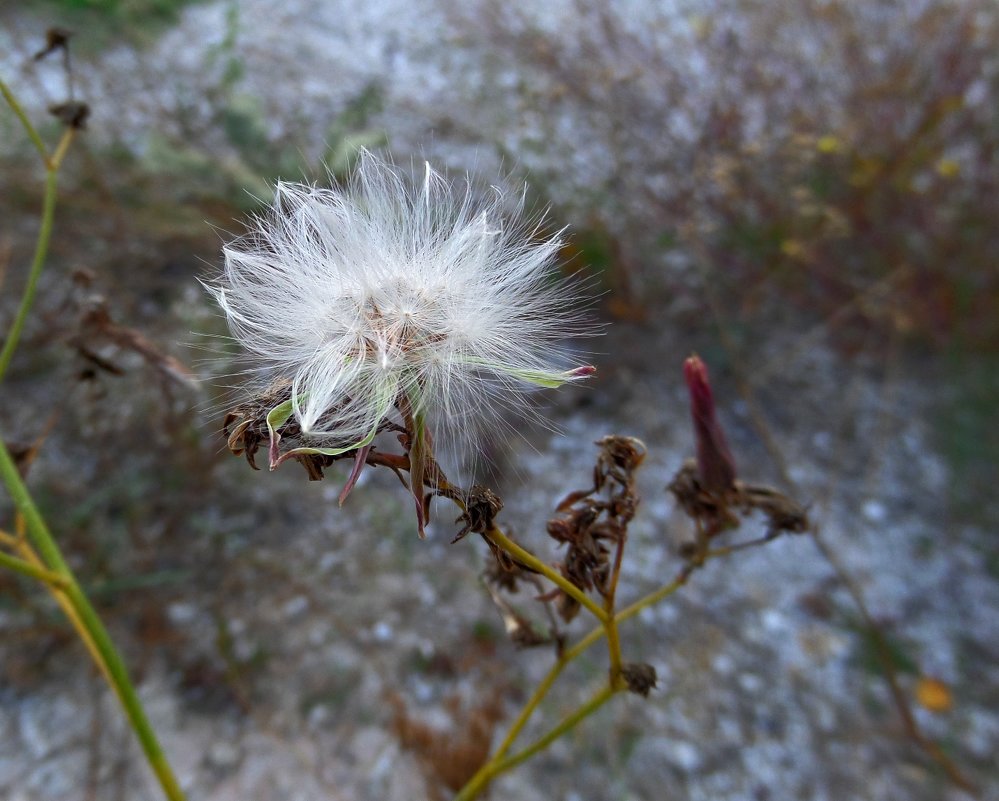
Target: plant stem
529, 559
609, 627
654, 597
59, 595
115, 667
49, 559
493, 768
8, 540
28, 127
41, 249
613, 640
531, 705
52, 580
567, 724
477, 783
60, 152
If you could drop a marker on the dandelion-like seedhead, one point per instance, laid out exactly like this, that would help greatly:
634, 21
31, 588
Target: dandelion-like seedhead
387, 296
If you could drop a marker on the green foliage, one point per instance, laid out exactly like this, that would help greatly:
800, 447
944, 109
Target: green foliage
339, 688
98, 23
483, 631
243, 167
756, 241
119, 8
872, 647
967, 436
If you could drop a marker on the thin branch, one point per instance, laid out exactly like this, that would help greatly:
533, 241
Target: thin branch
49, 552
25, 568
530, 560
28, 298
36, 140
883, 653
494, 768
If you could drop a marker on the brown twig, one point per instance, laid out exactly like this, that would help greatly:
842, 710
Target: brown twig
883, 653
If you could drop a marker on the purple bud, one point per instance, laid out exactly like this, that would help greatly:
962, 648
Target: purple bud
715, 465
582, 372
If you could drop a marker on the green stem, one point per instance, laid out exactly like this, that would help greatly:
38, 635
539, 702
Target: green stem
610, 624
531, 705
497, 764
106, 655
654, 597
571, 653
529, 559
33, 571
494, 768
41, 249
46, 546
28, 127
60, 152
567, 724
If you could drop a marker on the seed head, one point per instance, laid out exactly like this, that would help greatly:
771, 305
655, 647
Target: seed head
382, 295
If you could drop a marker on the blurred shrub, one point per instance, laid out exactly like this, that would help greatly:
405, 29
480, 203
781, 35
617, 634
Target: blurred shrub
234, 152
134, 19
819, 158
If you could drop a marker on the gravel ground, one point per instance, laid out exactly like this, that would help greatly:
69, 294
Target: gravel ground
272, 668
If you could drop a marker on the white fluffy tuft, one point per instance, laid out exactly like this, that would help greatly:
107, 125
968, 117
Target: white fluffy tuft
381, 288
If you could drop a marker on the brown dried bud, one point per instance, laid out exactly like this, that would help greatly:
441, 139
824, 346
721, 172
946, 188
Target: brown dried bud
640, 677
715, 465
481, 507
55, 39
567, 607
624, 453
72, 114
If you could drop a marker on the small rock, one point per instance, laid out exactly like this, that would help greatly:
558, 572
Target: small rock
382, 632
874, 511
223, 755
295, 606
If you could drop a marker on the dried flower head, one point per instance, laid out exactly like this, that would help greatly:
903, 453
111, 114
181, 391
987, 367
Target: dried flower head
381, 298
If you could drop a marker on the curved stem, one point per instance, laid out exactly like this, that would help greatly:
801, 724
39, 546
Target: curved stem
529, 559
110, 660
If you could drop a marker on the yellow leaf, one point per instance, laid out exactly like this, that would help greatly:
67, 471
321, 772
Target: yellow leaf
948, 168
792, 248
828, 144
934, 695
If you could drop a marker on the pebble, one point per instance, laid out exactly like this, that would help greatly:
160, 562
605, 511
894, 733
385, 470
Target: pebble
382, 632
223, 755
874, 511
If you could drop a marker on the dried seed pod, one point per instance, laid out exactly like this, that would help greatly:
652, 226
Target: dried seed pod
640, 677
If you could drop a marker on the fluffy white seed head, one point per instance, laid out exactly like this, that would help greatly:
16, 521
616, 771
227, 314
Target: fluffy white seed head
388, 289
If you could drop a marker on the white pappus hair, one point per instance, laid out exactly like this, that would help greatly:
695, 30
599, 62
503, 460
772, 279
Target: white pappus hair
384, 291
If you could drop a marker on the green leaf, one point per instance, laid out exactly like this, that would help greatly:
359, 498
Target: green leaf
541, 378
281, 413
330, 451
